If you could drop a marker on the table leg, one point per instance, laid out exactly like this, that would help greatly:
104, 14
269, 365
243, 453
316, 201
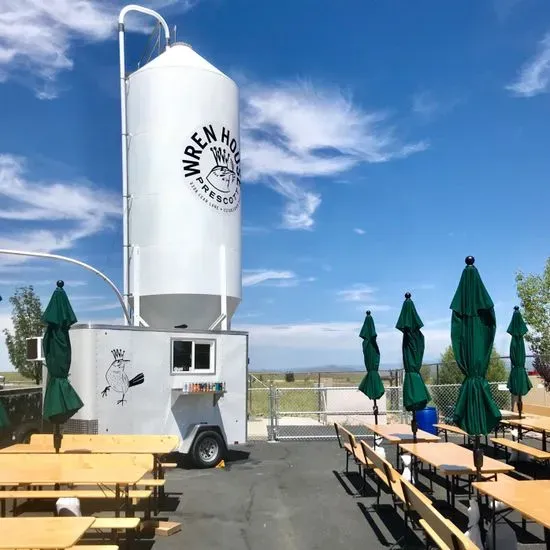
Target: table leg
448, 488
117, 500
544, 440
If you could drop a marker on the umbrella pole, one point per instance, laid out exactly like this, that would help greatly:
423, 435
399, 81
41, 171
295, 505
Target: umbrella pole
375, 411
478, 458
414, 426
520, 406
57, 437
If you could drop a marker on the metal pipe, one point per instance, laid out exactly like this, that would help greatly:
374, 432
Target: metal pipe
223, 289
76, 262
124, 138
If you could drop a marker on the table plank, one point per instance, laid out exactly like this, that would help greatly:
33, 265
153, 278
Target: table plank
529, 497
452, 459
397, 433
70, 468
43, 533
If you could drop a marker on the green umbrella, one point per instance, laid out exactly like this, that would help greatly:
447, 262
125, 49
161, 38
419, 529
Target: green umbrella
473, 327
518, 381
61, 400
4, 420
415, 393
371, 385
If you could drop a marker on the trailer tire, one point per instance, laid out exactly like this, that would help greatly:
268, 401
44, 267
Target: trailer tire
208, 449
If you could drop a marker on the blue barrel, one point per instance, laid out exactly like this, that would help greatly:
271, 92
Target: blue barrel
426, 418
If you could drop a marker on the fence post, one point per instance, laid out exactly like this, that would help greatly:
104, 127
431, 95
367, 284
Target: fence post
271, 431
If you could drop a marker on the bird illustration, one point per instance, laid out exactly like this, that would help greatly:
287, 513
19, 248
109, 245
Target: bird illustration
117, 379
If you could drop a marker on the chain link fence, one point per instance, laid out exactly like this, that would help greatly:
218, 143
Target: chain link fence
309, 412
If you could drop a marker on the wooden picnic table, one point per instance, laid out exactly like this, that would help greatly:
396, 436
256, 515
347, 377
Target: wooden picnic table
530, 498
68, 469
42, 533
453, 461
540, 424
101, 443
395, 434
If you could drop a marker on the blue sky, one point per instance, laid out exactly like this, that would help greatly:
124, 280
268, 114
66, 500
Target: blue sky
382, 143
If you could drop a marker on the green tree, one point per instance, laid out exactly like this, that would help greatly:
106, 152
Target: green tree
450, 373
426, 373
534, 294
26, 319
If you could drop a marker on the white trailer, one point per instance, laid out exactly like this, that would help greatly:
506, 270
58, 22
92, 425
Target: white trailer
137, 380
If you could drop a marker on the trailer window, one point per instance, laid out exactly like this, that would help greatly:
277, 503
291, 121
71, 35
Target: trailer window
192, 356
182, 353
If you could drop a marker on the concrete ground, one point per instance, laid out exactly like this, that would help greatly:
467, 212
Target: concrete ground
295, 496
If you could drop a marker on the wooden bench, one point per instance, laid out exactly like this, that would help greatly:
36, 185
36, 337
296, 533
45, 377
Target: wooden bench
439, 529
83, 494
348, 441
387, 474
533, 410
537, 454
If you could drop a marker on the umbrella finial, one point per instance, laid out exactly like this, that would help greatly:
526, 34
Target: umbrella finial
516, 308
470, 260
407, 296
368, 312
60, 284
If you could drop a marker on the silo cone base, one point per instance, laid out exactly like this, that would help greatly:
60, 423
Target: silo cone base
160, 527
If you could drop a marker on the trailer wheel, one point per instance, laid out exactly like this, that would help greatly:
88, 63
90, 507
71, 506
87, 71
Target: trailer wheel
208, 449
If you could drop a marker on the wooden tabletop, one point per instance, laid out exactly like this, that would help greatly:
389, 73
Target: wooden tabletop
99, 443
70, 468
530, 498
452, 459
537, 423
398, 433
451, 428
43, 533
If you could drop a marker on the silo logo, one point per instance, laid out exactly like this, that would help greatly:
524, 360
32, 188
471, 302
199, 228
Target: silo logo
211, 165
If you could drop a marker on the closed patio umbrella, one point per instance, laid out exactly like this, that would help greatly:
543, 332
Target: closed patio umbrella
371, 385
518, 381
473, 327
4, 420
415, 393
61, 401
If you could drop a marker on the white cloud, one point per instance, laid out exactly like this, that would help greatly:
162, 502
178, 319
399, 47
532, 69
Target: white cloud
357, 293
253, 277
534, 77
293, 130
36, 36
359, 231
320, 344
300, 206
424, 104
268, 277
66, 212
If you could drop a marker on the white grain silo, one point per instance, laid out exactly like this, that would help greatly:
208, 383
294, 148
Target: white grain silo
184, 192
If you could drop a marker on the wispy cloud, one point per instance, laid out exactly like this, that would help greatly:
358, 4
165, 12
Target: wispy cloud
65, 211
253, 277
269, 277
294, 130
534, 77
425, 104
36, 36
357, 293
359, 231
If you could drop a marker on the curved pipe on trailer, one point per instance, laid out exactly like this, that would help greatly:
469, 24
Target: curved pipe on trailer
76, 262
124, 137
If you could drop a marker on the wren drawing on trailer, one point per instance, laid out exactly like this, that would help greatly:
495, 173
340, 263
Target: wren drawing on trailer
117, 379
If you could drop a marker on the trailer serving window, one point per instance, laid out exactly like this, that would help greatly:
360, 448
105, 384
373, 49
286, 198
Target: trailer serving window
193, 356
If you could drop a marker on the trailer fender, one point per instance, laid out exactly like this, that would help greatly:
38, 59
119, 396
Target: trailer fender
188, 440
